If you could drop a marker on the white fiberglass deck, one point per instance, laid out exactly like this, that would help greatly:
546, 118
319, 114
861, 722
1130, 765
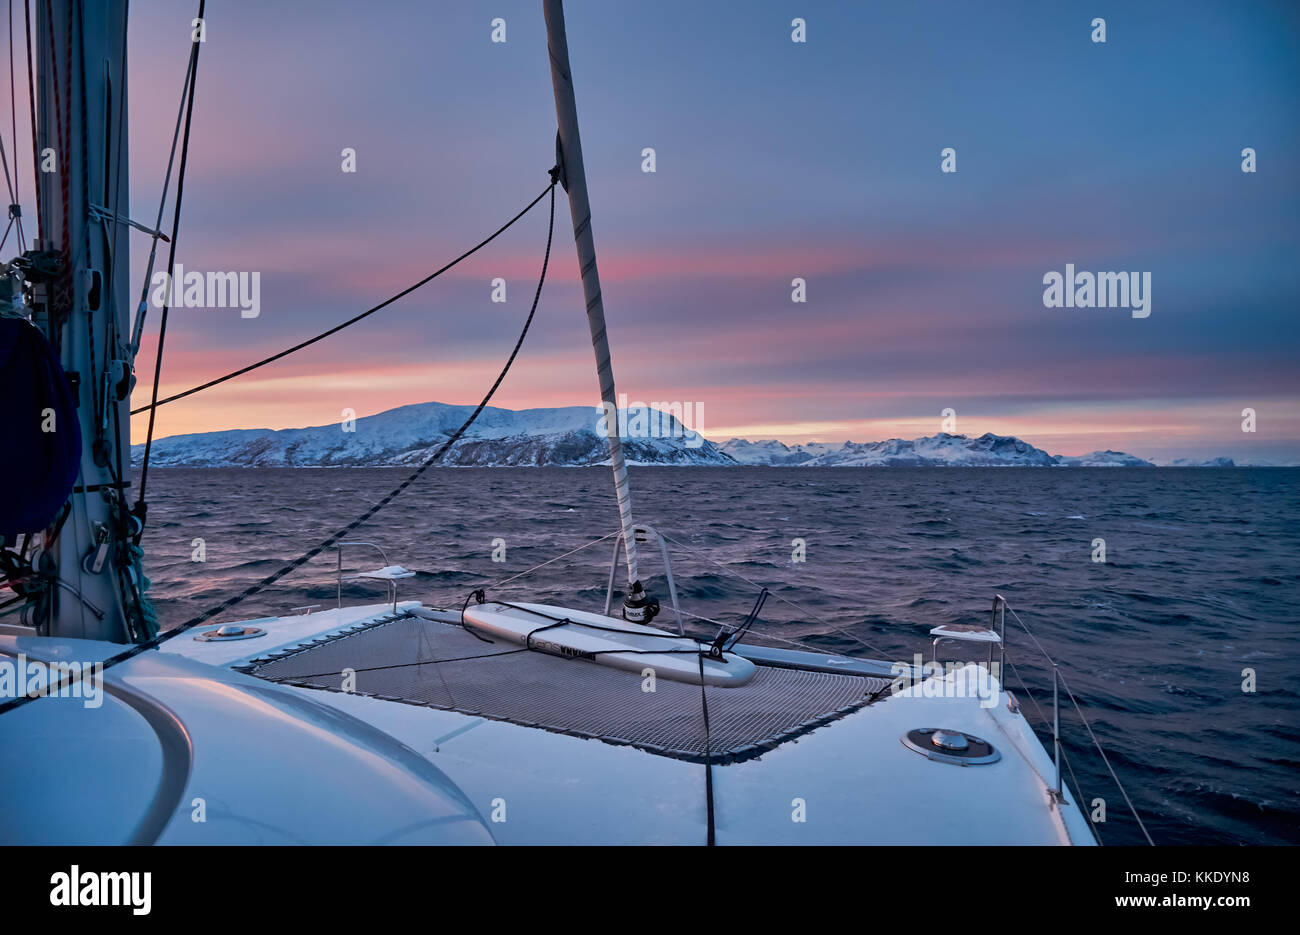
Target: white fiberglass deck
851, 780
275, 763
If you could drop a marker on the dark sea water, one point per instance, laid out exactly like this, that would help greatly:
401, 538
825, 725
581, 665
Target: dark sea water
1200, 584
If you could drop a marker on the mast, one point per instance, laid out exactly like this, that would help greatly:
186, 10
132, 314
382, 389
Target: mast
574, 178
83, 307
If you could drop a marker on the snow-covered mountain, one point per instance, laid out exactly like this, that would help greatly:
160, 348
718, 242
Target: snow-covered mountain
942, 450
770, 451
570, 437
1212, 462
1105, 458
408, 435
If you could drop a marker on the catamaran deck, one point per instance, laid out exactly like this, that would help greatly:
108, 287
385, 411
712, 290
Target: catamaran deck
448, 756
834, 777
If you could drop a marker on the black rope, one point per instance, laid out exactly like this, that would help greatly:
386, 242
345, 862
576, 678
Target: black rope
351, 321
711, 837
171, 267
13, 126
142, 307
726, 639
31, 103
338, 536
710, 840
528, 637
473, 595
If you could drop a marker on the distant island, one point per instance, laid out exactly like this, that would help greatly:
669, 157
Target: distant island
570, 437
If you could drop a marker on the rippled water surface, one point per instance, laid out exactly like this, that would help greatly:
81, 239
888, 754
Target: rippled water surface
1198, 586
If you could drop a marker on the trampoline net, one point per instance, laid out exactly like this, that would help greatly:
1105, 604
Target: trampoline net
439, 665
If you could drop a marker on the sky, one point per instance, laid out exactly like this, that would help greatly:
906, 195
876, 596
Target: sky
774, 160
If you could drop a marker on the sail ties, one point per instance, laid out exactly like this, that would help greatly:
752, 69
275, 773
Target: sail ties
697, 648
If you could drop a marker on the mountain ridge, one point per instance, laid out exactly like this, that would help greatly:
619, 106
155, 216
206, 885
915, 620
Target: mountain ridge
571, 436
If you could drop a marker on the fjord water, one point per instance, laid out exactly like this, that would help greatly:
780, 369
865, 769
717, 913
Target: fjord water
1199, 584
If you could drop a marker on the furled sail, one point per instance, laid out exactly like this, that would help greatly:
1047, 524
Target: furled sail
574, 178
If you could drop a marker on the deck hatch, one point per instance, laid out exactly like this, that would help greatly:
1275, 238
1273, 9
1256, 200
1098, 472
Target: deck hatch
950, 746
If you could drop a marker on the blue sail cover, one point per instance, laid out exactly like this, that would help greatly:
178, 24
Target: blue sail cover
37, 467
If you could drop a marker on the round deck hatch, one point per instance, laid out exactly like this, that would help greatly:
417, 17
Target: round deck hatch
950, 746
230, 631
949, 740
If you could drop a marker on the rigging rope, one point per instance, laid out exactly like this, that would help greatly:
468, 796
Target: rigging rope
550, 561
351, 321
803, 610
339, 535
1095, 742
13, 120
13, 196
766, 634
1100, 750
699, 649
1065, 756
15, 186
710, 838
171, 270
729, 627
31, 103
138, 327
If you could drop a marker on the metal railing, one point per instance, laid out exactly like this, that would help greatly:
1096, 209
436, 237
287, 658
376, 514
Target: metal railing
640, 531
339, 552
999, 623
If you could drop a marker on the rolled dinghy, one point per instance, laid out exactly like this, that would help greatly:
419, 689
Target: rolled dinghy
608, 641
